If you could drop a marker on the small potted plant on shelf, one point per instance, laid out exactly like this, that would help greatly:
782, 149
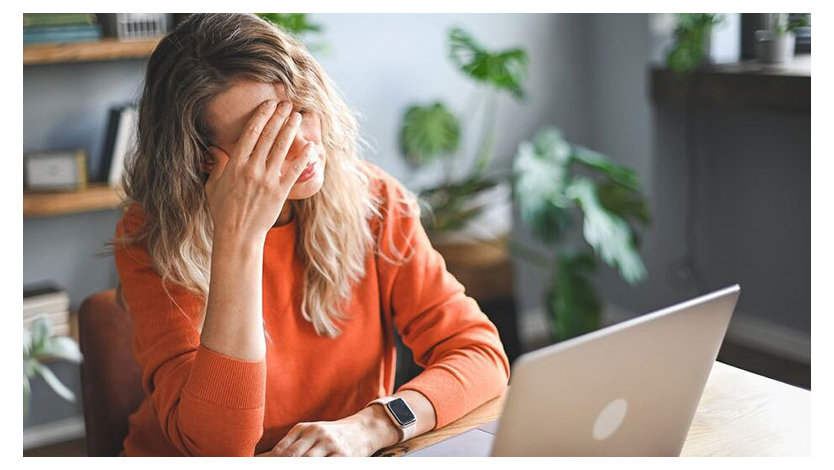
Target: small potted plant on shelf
691, 47
775, 45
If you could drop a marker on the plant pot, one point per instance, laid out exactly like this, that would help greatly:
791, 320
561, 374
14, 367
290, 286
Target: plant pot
494, 222
772, 48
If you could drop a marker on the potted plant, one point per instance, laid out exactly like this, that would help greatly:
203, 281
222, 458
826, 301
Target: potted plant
40, 347
454, 210
691, 47
775, 45
559, 187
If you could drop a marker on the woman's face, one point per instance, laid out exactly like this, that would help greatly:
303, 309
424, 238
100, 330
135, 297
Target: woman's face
228, 113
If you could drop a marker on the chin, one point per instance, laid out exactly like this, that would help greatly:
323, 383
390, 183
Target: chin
307, 189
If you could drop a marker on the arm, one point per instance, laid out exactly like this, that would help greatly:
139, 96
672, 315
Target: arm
206, 373
464, 360
206, 402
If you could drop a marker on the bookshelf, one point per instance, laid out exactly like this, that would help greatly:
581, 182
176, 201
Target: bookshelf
105, 49
97, 196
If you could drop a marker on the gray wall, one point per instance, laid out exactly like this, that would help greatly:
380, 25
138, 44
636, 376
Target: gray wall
752, 211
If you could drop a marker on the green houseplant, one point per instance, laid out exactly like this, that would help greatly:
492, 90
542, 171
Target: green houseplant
775, 44
39, 347
560, 186
299, 25
431, 132
692, 41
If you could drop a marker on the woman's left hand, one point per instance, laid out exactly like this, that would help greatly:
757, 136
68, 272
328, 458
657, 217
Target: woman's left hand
358, 435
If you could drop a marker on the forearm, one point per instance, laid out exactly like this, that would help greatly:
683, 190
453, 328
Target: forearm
382, 430
234, 320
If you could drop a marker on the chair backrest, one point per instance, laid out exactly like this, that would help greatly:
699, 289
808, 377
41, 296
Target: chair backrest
111, 380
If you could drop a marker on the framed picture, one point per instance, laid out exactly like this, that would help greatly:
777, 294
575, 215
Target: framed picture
55, 170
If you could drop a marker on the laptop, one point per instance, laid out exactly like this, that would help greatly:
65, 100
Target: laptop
630, 389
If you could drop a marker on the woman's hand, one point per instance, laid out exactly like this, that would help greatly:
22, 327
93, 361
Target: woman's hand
247, 189
358, 435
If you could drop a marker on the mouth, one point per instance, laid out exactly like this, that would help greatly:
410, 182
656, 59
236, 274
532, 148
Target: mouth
308, 172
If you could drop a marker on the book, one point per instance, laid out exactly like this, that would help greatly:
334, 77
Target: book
57, 34
57, 19
120, 140
49, 301
44, 298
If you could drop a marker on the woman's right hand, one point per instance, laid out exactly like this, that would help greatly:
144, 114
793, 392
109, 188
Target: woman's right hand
247, 189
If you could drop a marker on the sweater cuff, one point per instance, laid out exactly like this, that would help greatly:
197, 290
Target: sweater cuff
227, 381
445, 390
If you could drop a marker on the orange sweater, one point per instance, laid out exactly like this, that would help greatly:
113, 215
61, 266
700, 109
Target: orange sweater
201, 402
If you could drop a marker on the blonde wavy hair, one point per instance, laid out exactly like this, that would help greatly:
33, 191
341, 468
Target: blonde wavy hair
192, 65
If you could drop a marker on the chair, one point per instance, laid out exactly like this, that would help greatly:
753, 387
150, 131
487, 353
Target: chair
111, 380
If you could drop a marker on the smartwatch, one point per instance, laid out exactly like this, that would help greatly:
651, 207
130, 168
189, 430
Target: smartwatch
400, 414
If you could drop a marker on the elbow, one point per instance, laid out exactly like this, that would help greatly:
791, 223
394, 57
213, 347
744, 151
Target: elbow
208, 436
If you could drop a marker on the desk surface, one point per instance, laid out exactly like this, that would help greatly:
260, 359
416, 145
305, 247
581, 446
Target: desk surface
740, 414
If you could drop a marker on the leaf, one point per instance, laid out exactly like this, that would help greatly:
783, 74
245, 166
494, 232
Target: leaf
541, 177
54, 383
428, 132
505, 70
27, 394
62, 347
571, 299
605, 166
40, 335
608, 234
294, 23
623, 201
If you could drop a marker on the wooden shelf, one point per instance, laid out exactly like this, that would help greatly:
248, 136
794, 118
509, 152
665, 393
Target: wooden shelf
96, 197
744, 84
105, 49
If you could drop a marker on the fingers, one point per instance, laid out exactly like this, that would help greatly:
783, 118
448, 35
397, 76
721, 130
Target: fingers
292, 169
275, 127
281, 146
220, 161
252, 131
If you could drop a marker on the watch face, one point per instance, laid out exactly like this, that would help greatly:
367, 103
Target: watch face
402, 413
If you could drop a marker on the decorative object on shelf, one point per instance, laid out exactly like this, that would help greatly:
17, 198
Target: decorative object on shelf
120, 139
40, 28
459, 206
691, 46
40, 347
134, 26
49, 302
55, 170
776, 44
558, 185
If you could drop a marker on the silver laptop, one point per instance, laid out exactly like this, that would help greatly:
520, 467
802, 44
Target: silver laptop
628, 389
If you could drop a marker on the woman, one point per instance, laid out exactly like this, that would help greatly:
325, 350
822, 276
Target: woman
265, 265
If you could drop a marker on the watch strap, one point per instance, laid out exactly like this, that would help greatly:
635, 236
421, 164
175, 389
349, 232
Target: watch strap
407, 431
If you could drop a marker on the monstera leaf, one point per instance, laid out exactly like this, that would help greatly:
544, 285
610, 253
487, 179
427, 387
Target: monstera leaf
571, 299
428, 132
505, 70
541, 172
607, 233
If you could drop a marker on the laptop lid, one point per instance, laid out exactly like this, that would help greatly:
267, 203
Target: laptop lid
628, 389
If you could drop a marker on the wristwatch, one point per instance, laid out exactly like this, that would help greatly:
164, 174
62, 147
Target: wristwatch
401, 415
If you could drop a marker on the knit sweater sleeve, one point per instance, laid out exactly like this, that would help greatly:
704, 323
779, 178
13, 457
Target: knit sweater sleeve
207, 403
464, 360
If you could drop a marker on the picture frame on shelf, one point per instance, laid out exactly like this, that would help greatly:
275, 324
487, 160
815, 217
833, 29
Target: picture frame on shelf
56, 170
